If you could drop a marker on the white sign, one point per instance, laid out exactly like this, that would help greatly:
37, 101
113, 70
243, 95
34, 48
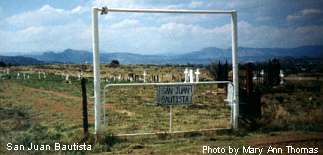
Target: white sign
174, 94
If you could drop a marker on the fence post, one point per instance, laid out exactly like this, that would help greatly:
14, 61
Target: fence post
84, 107
170, 118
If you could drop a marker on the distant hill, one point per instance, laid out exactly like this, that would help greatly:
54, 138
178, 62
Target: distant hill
19, 60
203, 56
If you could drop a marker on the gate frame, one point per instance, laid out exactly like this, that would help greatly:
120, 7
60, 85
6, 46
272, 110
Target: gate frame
96, 55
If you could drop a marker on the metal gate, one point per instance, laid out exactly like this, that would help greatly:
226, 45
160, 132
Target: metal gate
136, 108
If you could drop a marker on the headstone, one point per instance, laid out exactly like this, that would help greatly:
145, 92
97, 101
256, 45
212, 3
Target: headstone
191, 76
28, 76
39, 75
79, 76
44, 75
67, 77
197, 73
24, 75
18, 75
8, 71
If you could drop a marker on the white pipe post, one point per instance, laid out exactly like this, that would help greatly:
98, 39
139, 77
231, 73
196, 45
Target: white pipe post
235, 77
96, 70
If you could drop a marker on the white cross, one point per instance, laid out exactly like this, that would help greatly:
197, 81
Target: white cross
281, 74
186, 75
191, 76
197, 73
262, 72
144, 75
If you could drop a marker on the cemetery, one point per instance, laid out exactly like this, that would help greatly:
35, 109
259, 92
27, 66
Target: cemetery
46, 98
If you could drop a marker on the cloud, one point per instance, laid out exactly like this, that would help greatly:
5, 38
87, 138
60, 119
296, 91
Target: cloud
306, 15
126, 24
46, 15
195, 4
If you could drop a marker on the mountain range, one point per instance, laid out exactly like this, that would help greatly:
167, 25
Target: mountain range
203, 56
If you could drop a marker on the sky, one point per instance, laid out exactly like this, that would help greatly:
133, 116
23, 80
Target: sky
54, 25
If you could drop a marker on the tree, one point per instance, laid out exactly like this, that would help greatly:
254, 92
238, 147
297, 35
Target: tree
2, 64
219, 71
114, 63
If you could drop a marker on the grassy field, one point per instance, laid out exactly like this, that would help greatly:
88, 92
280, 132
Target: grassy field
48, 111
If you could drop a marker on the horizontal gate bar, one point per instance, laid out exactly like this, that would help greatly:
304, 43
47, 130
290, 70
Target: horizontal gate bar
170, 83
106, 10
173, 132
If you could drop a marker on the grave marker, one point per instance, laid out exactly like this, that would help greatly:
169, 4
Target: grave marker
144, 74
197, 73
186, 75
191, 76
